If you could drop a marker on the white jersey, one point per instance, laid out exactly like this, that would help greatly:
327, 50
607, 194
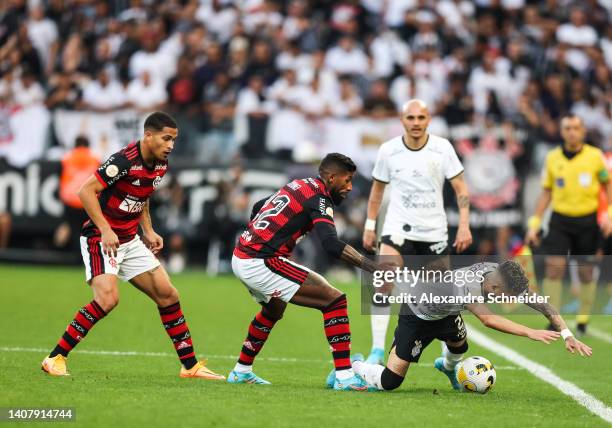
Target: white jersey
465, 285
416, 178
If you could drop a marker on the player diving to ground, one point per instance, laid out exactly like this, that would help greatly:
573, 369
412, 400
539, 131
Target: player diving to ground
116, 198
261, 262
420, 323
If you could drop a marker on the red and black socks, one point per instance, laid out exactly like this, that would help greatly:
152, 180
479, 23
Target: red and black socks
259, 330
174, 322
78, 328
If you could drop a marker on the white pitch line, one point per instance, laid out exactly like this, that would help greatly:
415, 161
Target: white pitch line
225, 357
543, 373
599, 334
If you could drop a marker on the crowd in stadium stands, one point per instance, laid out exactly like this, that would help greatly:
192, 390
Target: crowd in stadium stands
232, 71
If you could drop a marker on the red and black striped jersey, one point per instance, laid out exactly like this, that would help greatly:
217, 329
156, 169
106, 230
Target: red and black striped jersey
128, 182
284, 217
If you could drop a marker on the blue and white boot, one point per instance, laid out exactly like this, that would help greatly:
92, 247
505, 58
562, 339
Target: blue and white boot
331, 377
377, 356
451, 374
250, 377
355, 383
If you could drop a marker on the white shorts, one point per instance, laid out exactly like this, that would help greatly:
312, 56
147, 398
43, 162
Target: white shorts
272, 277
133, 258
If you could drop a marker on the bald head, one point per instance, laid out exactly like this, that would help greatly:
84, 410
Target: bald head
414, 104
415, 119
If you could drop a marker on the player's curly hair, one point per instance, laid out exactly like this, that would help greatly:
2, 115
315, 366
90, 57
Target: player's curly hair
513, 276
337, 161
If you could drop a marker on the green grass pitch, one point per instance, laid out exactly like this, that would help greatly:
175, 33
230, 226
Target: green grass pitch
139, 390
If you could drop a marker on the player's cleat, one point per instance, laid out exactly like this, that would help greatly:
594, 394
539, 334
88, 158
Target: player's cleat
581, 329
377, 356
571, 308
331, 377
250, 377
55, 366
355, 383
200, 371
451, 374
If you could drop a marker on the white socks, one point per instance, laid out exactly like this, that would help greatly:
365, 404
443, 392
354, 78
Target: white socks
379, 323
345, 374
370, 373
242, 368
450, 359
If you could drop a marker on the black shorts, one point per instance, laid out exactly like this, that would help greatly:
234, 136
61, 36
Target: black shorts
578, 236
417, 248
414, 334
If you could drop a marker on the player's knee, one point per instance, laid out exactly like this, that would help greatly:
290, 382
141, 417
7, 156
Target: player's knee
168, 296
273, 315
390, 380
108, 300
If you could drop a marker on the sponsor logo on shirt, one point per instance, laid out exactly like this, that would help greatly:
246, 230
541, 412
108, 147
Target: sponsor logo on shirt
136, 168
161, 167
132, 205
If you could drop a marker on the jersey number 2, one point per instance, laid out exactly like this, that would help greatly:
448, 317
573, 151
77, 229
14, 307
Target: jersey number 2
279, 203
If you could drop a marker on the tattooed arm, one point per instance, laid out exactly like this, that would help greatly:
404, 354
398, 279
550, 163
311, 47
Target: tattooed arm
464, 237
558, 323
353, 257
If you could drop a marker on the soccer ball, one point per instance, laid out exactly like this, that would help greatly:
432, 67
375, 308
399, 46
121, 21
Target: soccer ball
476, 374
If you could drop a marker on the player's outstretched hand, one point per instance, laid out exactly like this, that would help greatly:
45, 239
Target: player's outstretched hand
369, 240
110, 243
545, 336
153, 241
463, 239
574, 345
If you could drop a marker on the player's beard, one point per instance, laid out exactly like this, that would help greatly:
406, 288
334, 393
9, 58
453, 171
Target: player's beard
336, 197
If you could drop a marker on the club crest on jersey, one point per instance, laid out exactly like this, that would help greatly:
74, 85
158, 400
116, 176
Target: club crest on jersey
111, 171
132, 205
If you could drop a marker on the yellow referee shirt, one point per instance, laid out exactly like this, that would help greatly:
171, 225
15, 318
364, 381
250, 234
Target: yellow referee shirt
575, 182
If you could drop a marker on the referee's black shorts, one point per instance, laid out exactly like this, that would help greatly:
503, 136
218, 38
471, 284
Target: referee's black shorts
578, 236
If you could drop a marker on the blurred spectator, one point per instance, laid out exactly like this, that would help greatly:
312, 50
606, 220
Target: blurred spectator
65, 93
214, 64
347, 58
27, 90
253, 109
348, 104
219, 17
42, 32
146, 94
378, 104
183, 89
156, 62
578, 36
219, 101
261, 63
104, 94
77, 165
